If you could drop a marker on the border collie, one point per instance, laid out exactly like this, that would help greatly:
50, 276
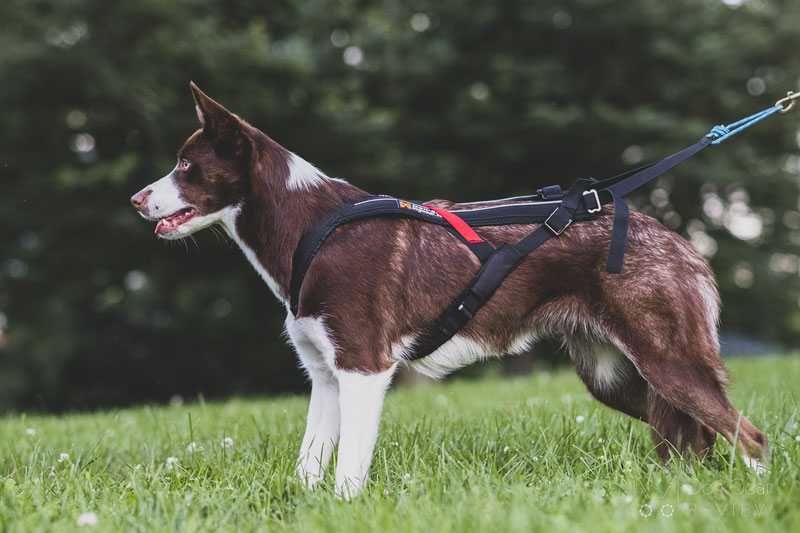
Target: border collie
643, 341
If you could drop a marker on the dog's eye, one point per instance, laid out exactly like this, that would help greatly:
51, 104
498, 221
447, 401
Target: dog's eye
184, 164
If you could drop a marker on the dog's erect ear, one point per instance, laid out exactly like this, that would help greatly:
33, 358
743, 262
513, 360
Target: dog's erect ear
227, 132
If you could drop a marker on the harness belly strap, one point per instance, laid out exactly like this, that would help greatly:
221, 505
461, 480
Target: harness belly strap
501, 264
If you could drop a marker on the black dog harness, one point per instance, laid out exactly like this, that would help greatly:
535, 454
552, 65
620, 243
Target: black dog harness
554, 208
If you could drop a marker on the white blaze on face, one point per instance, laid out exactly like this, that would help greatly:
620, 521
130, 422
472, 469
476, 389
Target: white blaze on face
177, 218
164, 203
165, 198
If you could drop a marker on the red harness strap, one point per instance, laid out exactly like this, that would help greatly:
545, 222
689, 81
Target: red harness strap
458, 224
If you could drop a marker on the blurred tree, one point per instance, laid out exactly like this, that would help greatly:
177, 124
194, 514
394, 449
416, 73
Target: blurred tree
458, 99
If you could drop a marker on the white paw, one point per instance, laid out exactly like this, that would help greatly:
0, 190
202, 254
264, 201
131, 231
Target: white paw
309, 479
755, 464
347, 489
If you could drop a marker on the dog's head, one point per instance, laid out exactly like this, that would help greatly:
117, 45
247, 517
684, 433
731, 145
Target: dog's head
210, 179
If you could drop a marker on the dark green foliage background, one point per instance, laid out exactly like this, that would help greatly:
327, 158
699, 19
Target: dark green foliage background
563, 88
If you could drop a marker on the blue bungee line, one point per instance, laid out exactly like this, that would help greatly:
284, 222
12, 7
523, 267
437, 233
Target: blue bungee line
720, 133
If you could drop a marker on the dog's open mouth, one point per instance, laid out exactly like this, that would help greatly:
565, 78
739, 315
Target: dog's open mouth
172, 222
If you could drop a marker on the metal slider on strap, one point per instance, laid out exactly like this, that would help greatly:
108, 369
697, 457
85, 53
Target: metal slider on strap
556, 231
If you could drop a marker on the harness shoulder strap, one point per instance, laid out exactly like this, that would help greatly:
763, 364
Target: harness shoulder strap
372, 206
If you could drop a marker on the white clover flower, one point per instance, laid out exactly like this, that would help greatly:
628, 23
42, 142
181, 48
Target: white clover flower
602, 458
687, 488
535, 457
63, 457
87, 519
579, 419
30, 431
797, 438
407, 477
227, 443
600, 441
171, 462
193, 447
505, 450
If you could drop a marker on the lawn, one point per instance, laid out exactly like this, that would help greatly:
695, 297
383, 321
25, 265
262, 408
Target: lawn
527, 454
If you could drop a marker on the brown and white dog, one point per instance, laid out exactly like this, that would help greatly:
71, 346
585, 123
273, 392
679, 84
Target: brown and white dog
643, 341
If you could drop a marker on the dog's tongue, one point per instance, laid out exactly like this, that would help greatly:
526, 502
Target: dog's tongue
164, 226
171, 223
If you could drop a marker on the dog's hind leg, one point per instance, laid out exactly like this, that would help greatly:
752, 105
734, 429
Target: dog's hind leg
679, 358
682, 387
322, 428
360, 401
614, 380
608, 374
663, 315
674, 431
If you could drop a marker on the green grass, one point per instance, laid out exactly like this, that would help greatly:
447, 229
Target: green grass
467, 455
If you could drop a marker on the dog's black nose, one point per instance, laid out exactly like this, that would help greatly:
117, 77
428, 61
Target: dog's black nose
139, 200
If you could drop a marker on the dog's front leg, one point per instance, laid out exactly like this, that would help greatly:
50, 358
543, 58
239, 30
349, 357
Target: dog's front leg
322, 428
360, 401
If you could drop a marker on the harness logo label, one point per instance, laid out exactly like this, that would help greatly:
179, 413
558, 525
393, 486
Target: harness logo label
418, 208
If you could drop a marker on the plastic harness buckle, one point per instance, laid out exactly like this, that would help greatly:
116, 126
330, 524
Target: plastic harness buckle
596, 199
552, 192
